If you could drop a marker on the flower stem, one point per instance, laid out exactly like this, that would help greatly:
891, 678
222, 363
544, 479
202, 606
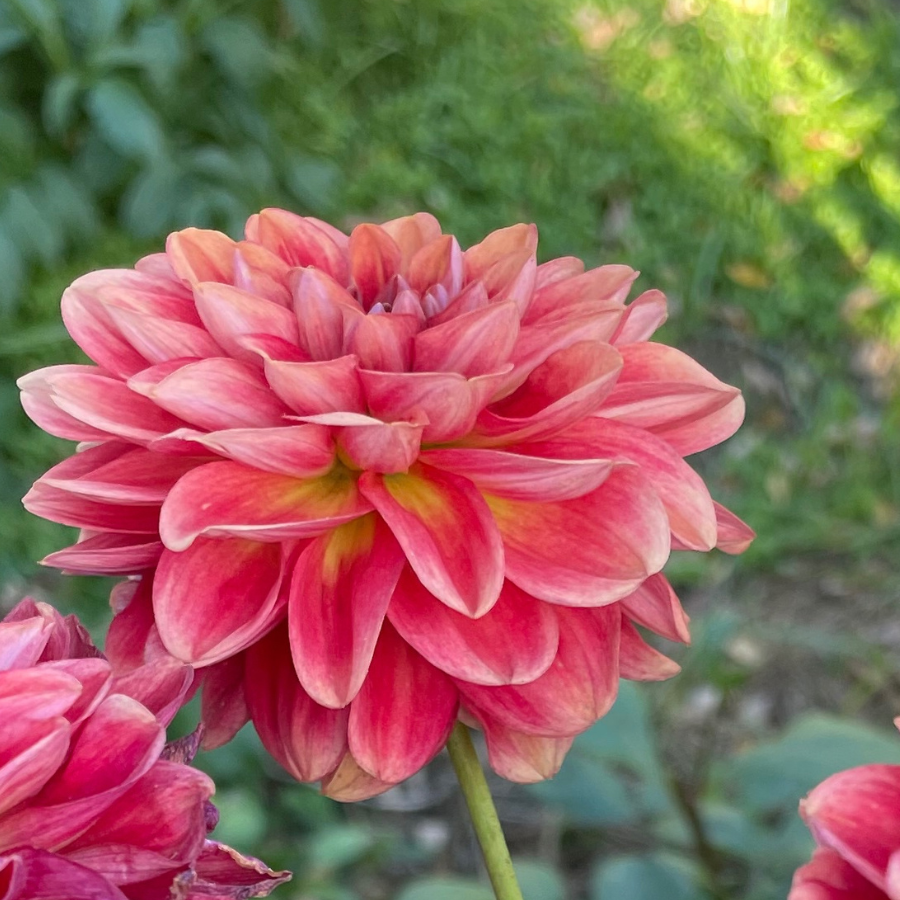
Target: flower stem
483, 813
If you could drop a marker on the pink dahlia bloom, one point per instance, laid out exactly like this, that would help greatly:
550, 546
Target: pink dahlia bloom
92, 805
855, 818
375, 482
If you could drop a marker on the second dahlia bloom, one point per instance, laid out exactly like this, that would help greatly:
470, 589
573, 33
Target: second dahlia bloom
855, 818
375, 482
93, 804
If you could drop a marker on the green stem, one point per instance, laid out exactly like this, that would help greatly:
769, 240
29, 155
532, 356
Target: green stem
483, 813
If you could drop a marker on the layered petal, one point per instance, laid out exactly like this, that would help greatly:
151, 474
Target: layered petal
733, 535
217, 597
387, 733
579, 687
857, 813
639, 661
666, 392
828, 876
690, 509
656, 606
27, 873
307, 739
567, 386
522, 477
515, 642
339, 594
450, 402
227, 499
523, 758
447, 533
622, 539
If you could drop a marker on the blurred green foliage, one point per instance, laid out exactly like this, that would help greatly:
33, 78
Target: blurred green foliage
741, 153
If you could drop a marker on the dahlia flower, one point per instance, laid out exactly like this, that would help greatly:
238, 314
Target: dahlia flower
373, 483
92, 805
855, 818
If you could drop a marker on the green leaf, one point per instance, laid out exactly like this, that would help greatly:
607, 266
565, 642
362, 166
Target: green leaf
159, 48
239, 48
539, 880
58, 105
32, 225
612, 774
126, 121
313, 182
780, 772
151, 203
94, 22
13, 268
650, 877
242, 819
446, 889
59, 191
12, 35
306, 17
340, 846
42, 18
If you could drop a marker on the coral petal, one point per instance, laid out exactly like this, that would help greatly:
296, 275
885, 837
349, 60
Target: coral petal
216, 394
30, 874
857, 813
656, 606
828, 876
480, 257
621, 539
216, 597
641, 662
309, 740
515, 642
642, 317
228, 499
198, 254
310, 388
403, 714
380, 341
567, 386
607, 284
109, 405
578, 688
447, 533
374, 260
439, 262
321, 304
692, 515
348, 783
411, 233
447, 400
473, 343
108, 553
341, 587
302, 241
520, 477
223, 709
523, 758
70, 509
301, 451
672, 396
230, 314
734, 535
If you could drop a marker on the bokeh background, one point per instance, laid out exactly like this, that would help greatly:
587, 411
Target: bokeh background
743, 154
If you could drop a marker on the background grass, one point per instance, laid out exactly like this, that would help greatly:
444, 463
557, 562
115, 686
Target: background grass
740, 153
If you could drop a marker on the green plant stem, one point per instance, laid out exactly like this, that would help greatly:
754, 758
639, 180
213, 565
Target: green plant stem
483, 813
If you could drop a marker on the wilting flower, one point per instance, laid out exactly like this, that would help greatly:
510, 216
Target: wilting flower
92, 805
855, 818
375, 482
